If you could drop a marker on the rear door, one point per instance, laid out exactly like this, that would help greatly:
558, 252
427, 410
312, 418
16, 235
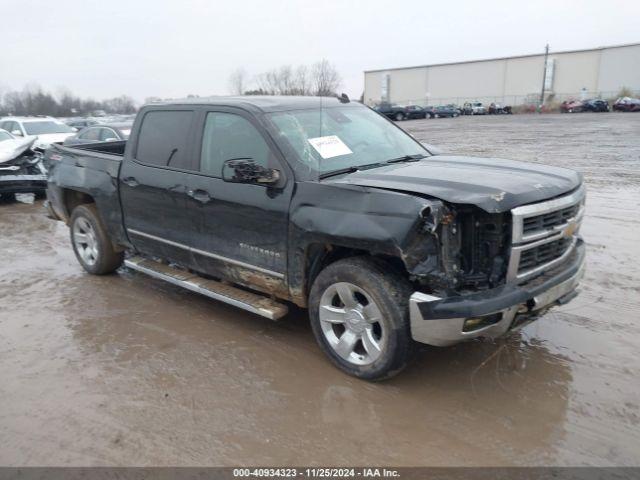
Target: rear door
153, 184
241, 229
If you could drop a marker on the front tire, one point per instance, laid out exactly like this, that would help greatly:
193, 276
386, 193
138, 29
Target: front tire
359, 312
399, 117
91, 242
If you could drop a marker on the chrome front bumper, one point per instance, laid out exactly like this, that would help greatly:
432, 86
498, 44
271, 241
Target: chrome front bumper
440, 321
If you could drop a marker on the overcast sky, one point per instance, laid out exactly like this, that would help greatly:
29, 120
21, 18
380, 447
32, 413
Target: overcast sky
167, 48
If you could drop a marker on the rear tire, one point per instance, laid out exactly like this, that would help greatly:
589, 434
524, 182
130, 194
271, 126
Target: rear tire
91, 242
359, 313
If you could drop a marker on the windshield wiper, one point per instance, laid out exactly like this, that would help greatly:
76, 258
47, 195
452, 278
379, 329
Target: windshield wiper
351, 169
407, 158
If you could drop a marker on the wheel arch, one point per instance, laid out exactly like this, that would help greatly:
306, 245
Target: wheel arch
318, 256
71, 199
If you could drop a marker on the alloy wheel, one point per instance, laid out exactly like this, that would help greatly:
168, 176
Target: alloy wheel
85, 241
352, 323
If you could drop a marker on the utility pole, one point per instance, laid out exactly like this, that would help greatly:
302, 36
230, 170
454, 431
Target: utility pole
544, 75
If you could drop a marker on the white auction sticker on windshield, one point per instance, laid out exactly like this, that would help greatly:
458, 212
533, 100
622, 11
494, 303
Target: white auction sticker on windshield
330, 146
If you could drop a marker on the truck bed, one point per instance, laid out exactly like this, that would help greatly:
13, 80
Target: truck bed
112, 148
91, 169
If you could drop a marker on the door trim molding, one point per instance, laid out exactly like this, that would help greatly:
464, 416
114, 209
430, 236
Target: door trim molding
207, 254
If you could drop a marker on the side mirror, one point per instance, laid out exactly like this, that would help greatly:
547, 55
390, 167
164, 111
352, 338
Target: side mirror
16, 133
245, 170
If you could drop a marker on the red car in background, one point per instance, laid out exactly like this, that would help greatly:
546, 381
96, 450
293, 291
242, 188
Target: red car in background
627, 104
571, 106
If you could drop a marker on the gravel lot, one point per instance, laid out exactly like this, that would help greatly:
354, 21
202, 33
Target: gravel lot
125, 370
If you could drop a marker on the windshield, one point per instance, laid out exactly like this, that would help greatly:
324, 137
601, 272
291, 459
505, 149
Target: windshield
340, 137
46, 126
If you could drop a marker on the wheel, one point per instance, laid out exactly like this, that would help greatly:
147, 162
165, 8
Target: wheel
399, 117
455, 115
91, 243
359, 313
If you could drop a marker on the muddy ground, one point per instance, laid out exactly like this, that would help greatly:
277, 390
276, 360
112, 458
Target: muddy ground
125, 370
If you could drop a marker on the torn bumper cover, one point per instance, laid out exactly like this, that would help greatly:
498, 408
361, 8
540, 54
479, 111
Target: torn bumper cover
446, 321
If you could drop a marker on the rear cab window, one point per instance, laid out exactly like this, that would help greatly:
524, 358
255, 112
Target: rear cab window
164, 139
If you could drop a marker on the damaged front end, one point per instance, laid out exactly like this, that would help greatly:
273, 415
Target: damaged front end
21, 168
499, 271
458, 248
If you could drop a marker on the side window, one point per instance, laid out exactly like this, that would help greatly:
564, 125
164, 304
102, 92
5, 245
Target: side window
106, 133
90, 134
228, 136
163, 138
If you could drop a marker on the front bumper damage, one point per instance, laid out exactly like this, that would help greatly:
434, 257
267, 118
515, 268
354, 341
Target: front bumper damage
447, 321
23, 182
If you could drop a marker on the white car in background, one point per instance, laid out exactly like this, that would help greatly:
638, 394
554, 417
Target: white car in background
47, 129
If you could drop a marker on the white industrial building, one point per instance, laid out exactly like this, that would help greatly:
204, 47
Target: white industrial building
598, 72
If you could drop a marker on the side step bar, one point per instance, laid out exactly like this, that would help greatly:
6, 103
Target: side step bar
251, 302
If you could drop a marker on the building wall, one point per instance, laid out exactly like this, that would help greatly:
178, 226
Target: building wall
524, 76
619, 67
475, 79
511, 80
575, 71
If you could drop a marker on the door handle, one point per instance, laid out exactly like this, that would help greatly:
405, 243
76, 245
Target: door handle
131, 181
201, 196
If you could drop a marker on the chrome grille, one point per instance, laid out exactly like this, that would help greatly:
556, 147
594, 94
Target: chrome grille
549, 220
545, 253
544, 235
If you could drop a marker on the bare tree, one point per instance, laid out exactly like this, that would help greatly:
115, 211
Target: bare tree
238, 81
325, 79
33, 100
301, 81
268, 82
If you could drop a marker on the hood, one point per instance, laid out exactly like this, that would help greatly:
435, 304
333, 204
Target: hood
11, 149
44, 140
493, 184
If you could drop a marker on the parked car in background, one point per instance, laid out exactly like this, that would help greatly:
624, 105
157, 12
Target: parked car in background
47, 129
100, 133
391, 110
79, 124
416, 111
571, 106
385, 243
497, 109
455, 107
595, 105
627, 104
445, 111
473, 108
21, 168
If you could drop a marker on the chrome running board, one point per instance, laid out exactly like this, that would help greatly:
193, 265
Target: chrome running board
249, 301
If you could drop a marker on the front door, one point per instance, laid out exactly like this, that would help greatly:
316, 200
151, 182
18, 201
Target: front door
241, 228
153, 185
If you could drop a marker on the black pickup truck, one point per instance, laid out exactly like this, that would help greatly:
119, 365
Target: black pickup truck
262, 201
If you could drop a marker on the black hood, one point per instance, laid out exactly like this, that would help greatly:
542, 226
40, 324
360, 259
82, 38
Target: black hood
493, 184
